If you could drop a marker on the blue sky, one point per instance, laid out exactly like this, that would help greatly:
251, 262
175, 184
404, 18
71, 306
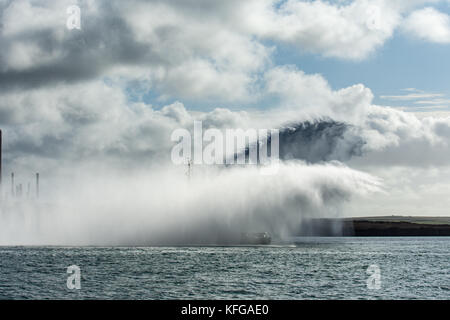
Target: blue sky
401, 63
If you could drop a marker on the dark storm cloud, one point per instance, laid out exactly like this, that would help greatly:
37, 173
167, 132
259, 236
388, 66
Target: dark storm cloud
316, 141
104, 42
183, 53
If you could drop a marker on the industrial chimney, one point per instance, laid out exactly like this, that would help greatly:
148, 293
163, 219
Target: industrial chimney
1, 159
37, 185
12, 184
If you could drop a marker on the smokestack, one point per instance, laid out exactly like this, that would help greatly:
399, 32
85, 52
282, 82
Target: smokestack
1, 159
37, 185
12, 184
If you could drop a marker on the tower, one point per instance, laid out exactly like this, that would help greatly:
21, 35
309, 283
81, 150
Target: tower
1, 159
37, 185
12, 184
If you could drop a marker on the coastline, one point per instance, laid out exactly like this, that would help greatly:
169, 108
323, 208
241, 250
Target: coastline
385, 226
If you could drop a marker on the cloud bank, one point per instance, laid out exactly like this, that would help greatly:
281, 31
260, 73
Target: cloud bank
74, 105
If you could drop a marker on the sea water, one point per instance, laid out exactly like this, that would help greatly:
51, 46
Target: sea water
306, 268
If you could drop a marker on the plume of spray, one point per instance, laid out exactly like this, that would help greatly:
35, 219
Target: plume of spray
161, 206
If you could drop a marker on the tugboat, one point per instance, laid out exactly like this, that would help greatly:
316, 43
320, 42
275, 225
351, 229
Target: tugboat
255, 238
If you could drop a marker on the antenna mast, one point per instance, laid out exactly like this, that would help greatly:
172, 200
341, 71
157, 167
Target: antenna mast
189, 167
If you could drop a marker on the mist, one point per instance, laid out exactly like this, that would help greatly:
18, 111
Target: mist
163, 206
93, 110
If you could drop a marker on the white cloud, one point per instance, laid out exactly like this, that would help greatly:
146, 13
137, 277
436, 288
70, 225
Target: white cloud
57, 112
418, 192
96, 122
412, 96
348, 31
312, 95
206, 50
428, 24
421, 101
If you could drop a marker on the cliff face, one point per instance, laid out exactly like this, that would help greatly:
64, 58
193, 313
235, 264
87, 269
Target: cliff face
378, 227
391, 229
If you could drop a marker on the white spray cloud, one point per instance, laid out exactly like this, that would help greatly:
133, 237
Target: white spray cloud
65, 110
163, 207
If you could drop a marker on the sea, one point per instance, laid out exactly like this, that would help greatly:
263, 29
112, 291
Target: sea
303, 268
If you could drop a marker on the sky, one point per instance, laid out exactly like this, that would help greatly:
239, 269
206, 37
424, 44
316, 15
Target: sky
366, 81
387, 71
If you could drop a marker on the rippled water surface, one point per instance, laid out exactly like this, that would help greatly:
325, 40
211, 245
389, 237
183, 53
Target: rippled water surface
313, 268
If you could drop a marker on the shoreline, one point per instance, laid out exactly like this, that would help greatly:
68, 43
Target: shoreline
386, 226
